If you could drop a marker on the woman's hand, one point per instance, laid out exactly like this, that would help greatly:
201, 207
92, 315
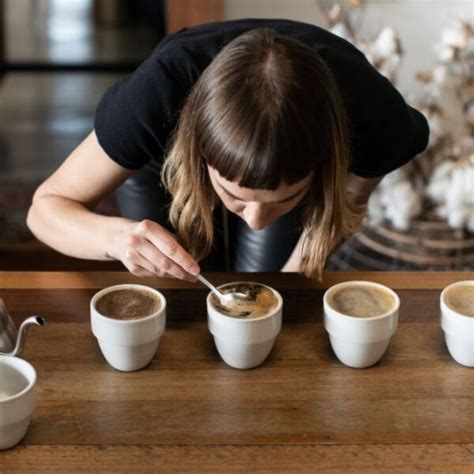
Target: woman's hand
62, 215
148, 249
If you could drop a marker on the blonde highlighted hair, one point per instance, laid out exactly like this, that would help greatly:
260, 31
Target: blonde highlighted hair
266, 111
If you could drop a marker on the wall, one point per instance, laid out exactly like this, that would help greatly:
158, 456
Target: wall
418, 23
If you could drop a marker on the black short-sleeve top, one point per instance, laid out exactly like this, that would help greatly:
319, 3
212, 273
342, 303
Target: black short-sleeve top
135, 119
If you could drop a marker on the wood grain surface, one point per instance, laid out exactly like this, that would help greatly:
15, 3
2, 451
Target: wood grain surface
396, 280
300, 411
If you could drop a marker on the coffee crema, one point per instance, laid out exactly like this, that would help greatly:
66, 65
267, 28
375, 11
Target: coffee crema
461, 300
128, 304
263, 301
362, 301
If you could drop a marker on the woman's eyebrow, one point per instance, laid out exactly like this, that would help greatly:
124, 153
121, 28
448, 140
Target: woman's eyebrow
289, 198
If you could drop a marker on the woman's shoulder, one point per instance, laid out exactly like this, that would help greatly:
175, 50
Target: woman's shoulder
206, 40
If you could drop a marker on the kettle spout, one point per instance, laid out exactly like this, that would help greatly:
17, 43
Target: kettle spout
20, 342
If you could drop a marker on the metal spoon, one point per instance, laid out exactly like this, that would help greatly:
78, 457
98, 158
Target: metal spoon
224, 297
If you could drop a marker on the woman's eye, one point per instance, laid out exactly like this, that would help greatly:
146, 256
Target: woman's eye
231, 197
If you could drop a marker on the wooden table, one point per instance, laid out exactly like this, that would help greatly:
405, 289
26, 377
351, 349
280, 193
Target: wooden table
301, 411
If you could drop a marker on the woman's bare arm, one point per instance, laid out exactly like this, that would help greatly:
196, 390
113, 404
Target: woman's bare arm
62, 216
359, 190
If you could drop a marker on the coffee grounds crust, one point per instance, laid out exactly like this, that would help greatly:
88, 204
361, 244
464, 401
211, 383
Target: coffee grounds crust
128, 304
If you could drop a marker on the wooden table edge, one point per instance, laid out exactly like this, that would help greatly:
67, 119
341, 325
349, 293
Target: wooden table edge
247, 445
284, 281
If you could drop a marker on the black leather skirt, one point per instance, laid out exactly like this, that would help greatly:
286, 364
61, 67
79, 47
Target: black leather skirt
236, 247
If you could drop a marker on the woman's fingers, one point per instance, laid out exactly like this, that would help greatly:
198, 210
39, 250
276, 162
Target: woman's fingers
137, 265
151, 250
160, 263
168, 246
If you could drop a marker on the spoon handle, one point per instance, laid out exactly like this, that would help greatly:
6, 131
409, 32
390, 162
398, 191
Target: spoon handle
208, 284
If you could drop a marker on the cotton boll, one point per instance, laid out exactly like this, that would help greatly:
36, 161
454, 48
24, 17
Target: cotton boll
335, 14
468, 185
456, 70
444, 170
341, 30
396, 176
463, 177
467, 144
468, 52
399, 218
396, 200
389, 65
454, 36
454, 192
387, 199
440, 181
400, 221
375, 209
386, 44
436, 190
366, 48
410, 199
442, 211
457, 178
436, 129
402, 205
440, 74
445, 54
369, 57
456, 217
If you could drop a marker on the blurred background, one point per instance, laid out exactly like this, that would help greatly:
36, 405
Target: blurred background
59, 56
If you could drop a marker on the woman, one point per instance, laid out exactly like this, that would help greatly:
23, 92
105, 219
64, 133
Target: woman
268, 136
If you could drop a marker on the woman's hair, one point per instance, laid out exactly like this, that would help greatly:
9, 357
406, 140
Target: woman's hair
265, 112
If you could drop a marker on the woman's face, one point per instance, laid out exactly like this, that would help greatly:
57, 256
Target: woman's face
258, 207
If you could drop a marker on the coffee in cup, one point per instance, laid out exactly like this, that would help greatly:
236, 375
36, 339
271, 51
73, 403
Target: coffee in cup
128, 321
360, 318
128, 303
361, 301
461, 299
457, 321
244, 332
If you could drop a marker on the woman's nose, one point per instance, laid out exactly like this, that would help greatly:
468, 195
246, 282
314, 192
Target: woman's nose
256, 216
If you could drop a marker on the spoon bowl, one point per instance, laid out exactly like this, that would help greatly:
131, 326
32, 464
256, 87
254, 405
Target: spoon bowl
224, 297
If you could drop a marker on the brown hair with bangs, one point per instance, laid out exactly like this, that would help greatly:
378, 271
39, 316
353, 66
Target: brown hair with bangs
265, 112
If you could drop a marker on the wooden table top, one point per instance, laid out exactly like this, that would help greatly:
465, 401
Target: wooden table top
300, 411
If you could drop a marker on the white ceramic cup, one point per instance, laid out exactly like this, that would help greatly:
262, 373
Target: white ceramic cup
17, 399
129, 344
458, 329
244, 343
359, 342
